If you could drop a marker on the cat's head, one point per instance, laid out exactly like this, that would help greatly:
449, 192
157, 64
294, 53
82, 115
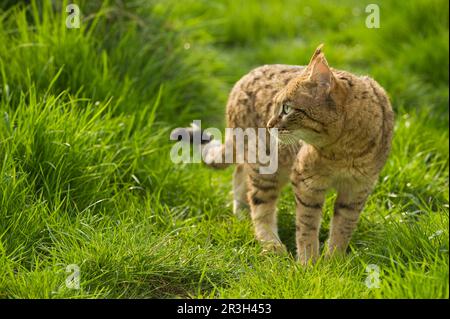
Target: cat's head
310, 107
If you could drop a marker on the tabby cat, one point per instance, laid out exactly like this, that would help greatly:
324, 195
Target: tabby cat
335, 130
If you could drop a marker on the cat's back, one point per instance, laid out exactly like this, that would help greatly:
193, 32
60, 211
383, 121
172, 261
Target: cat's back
250, 102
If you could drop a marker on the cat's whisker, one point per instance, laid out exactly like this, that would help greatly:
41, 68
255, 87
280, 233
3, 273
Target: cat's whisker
285, 141
293, 149
292, 139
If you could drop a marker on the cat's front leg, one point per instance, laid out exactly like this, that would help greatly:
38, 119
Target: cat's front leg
309, 195
347, 208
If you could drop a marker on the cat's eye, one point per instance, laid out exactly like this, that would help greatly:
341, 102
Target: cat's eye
286, 109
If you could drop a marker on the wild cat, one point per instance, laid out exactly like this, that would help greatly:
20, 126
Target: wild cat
335, 130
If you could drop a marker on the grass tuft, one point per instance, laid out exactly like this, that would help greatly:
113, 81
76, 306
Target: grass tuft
85, 173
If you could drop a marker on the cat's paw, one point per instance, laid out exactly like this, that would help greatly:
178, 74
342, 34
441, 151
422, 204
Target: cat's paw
274, 248
240, 209
308, 259
335, 255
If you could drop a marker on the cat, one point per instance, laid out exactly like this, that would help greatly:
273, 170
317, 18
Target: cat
335, 131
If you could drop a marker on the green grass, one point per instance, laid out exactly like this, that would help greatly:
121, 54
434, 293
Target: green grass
85, 172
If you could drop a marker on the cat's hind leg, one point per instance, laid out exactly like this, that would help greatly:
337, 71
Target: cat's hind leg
240, 189
263, 192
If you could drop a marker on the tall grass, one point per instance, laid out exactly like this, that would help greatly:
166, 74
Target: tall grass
85, 174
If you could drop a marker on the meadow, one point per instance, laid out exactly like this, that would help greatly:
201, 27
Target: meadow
85, 173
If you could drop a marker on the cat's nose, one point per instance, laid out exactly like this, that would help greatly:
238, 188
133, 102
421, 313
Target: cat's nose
271, 122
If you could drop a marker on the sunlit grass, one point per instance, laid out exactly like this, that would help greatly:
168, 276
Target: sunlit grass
85, 172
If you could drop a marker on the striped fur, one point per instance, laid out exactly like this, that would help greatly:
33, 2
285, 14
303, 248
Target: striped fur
337, 135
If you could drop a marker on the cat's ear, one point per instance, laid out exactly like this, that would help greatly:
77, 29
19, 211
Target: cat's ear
313, 59
320, 72
327, 83
315, 55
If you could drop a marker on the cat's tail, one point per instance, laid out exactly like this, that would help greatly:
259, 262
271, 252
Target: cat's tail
213, 151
